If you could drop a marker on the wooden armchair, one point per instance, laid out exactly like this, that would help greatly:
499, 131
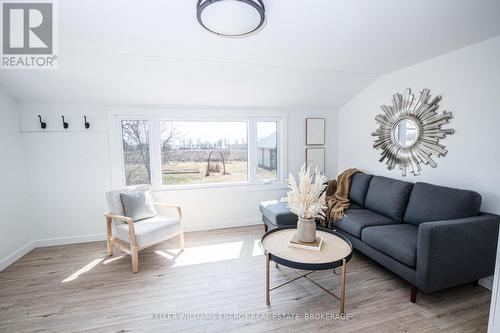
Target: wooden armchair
131, 237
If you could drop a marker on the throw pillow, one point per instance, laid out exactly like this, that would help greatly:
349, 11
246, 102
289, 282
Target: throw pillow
138, 205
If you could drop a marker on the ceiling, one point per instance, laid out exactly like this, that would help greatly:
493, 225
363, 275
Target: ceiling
315, 53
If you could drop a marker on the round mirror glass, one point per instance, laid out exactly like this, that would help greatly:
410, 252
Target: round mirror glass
405, 133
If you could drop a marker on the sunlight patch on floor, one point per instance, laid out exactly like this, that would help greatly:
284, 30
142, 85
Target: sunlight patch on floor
82, 270
107, 261
203, 254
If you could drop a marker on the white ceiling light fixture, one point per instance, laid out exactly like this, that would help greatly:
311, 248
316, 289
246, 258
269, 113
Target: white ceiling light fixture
231, 18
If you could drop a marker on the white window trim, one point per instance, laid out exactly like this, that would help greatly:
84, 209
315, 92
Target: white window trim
117, 157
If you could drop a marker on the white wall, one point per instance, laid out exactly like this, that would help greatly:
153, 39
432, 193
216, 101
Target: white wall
14, 226
70, 171
469, 81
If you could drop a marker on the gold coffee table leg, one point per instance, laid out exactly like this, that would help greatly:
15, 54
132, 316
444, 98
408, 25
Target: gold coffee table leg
267, 279
342, 286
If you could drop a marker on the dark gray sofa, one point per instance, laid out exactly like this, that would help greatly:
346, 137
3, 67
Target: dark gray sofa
434, 237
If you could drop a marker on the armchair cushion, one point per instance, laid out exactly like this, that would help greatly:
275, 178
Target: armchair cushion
150, 231
138, 205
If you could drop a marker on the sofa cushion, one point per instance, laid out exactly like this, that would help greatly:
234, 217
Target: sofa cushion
388, 197
398, 241
150, 231
355, 220
277, 213
434, 203
354, 206
359, 187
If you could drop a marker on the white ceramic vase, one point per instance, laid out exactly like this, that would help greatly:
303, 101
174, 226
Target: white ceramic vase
306, 230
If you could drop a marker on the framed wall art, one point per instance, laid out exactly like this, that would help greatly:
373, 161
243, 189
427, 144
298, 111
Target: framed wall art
315, 157
315, 131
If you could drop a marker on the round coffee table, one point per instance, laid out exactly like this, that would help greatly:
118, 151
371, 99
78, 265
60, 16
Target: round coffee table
336, 251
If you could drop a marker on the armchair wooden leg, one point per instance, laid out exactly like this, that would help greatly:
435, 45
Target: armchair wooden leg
413, 294
110, 248
181, 240
134, 253
108, 236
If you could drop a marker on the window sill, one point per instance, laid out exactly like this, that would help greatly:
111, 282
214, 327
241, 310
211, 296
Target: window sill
241, 186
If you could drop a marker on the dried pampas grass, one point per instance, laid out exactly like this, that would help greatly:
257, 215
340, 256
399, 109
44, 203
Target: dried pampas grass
306, 199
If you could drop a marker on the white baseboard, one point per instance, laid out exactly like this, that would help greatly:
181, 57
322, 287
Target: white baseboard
68, 240
487, 282
16, 255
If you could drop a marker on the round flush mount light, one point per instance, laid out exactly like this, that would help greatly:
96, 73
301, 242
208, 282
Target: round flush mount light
231, 18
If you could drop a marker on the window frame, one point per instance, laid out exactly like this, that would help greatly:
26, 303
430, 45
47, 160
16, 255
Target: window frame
155, 150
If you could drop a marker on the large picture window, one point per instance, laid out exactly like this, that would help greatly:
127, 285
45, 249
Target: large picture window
177, 152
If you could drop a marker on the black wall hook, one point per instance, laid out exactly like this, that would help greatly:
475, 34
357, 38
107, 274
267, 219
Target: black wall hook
65, 124
87, 124
42, 124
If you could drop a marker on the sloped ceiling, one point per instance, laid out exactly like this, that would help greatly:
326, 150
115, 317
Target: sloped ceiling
315, 53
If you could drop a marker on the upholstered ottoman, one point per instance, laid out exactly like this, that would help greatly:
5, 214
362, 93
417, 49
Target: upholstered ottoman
275, 214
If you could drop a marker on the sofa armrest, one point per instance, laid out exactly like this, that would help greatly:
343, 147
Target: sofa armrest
454, 252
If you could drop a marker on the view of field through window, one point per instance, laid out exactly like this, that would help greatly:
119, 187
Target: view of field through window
135, 138
198, 152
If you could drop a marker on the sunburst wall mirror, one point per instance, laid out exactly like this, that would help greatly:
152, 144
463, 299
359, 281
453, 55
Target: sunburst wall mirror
410, 131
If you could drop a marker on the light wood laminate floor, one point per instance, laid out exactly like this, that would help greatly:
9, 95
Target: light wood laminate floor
77, 288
